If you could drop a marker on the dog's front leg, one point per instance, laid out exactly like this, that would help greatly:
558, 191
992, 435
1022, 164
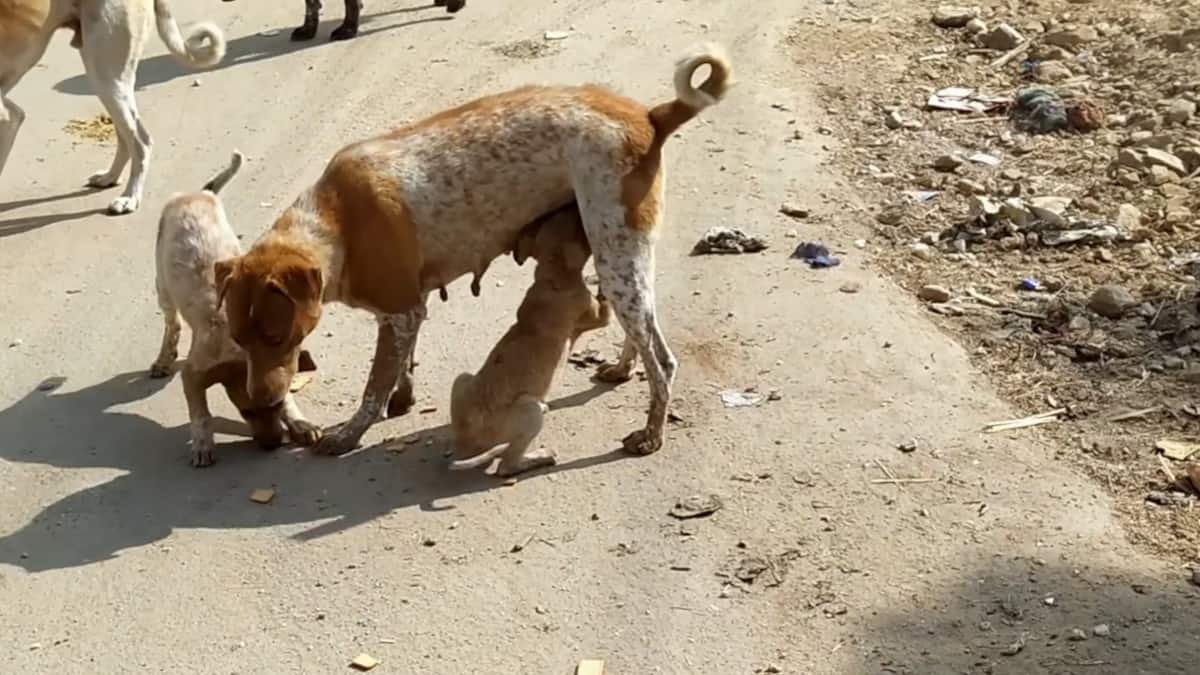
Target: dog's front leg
300, 430
11, 119
349, 27
312, 18
195, 391
388, 371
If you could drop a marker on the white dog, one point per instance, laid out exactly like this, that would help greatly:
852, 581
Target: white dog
110, 35
193, 234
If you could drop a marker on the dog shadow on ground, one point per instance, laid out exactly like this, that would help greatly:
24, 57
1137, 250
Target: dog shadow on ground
258, 47
158, 491
21, 224
1018, 615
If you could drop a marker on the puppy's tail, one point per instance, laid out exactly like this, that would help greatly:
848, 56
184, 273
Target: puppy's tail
690, 99
204, 45
222, 179
482, 459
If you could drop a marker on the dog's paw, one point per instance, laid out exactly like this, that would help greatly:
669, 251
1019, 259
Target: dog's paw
303, 432
160, 370
103, 179
452, 6
337, 443
202, 454
343, 32
613, 373
123, 205
401, 402
304, 33
526, 463
642, 442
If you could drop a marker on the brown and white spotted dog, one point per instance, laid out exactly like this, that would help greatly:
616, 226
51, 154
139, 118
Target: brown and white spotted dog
395, 217
498, 411
349, 27
193, 234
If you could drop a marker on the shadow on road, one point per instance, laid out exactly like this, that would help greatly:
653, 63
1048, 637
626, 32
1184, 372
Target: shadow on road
257, 47
1020, 616
159, 491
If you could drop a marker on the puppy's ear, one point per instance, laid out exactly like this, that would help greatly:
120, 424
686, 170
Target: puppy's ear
223, 271
307, 364
524, 246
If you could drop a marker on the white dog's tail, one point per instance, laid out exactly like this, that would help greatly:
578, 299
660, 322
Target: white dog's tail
204, 46
222, 179
690, 99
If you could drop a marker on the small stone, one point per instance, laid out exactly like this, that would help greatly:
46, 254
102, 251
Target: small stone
1195, 576
1128, 218
793, 211
922, 251
1179, 111
1077, 635
907, 446
1190, 156
850, 287
947, 163
975, 26
1053, 71
364, 662
1101, 630
16, 343
1155, 157
1111, 301
969, 187
949, 16
1071, 38
1104, 255
1002, 38
1161, 175
934, 293
262, 495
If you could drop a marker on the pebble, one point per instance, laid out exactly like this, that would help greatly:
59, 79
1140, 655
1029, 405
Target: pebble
1128, 217
1179, 111
850, 287
1071, 38
1161, 175
1111, 301
1002, 38
947, 163
975, 26
922, 251
934, 293
1155, 157
1053, 71
949, 16
1101, 630
970, 187
1077, 635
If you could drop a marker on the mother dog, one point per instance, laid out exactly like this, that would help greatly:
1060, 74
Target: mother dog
397, 216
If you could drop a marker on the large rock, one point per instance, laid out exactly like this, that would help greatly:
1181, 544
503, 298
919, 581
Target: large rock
1179, 111
1155, 157
1071, 38
1129, 218
1111, 301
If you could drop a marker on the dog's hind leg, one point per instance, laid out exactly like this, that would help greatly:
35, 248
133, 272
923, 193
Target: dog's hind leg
111, 71
524, 423
169, 351
11, 119
623, 252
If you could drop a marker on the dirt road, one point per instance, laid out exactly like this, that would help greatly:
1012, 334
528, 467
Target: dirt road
116, 556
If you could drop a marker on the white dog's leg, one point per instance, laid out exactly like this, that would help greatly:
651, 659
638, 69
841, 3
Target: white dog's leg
300, 430
112, 72
11, 117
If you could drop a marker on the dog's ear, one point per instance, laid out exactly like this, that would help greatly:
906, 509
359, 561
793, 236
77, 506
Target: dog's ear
222, 272
290, 303
307, 364
525, 243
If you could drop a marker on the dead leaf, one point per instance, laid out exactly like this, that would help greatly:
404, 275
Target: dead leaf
1176, 450
262, 495
299, 381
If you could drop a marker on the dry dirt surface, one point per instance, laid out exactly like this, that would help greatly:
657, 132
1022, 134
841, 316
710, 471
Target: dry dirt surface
866, 524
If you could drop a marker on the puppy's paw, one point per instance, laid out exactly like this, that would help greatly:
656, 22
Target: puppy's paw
202, 453
306, 32
452, 6
526, 463
123, 205
401, 402
642, 442
161, 369
344, 32
103, 179
613, 373
303, 432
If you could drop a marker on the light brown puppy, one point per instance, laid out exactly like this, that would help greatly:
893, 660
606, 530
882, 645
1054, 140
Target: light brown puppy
398, 216
110, 35
193, 234
498, 411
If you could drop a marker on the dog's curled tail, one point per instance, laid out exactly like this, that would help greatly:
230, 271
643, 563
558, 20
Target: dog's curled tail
204, 45
222, 179
689, 98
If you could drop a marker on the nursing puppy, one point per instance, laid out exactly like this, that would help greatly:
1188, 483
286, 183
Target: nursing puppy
499, 410
193, 233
